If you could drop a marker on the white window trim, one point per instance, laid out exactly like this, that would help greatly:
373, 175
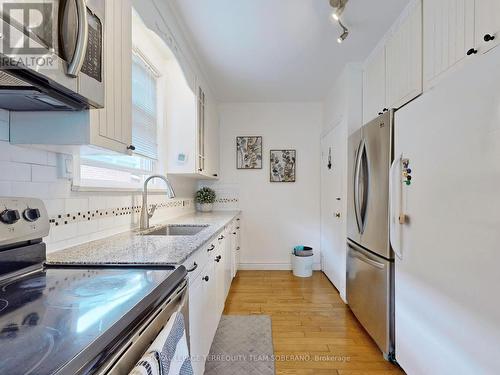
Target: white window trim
77, 184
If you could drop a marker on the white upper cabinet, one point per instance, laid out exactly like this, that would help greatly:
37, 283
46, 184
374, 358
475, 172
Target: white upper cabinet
109, 128
374, 98
448, 35
487, 24
114, 121
211, 139
404, 57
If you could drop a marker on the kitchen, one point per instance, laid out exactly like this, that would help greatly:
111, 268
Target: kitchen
161, 160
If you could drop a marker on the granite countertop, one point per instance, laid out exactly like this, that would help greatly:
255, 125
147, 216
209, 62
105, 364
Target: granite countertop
131, 248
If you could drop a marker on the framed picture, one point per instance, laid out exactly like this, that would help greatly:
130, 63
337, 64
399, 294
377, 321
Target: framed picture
283, 165
249, 152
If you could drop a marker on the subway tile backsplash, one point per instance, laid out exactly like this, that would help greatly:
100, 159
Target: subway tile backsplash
78, 217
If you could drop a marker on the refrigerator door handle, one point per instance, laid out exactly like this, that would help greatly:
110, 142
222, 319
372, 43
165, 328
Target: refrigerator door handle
366, 184
367, 260
357, 168
395, 197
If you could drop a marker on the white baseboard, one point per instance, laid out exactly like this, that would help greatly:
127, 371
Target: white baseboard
271, 266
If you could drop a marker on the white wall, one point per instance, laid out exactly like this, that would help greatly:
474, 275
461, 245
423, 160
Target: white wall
345, 100
276, 216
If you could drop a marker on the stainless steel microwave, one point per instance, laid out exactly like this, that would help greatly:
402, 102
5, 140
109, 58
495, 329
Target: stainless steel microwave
51, 55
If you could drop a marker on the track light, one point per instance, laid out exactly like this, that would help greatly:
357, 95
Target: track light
339, 6
345, 33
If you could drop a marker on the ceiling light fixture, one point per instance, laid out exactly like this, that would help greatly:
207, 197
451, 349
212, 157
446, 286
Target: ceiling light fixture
344, 34
339, 6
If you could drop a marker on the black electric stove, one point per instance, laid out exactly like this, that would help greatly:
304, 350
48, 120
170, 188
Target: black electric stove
67, 320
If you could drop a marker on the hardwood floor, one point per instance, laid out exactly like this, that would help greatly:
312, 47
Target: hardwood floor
314, 332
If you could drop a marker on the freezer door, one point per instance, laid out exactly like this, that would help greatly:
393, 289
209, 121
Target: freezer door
353, 226
373, 184
369, 294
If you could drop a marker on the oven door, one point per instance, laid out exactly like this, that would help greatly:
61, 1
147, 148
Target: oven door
124, 360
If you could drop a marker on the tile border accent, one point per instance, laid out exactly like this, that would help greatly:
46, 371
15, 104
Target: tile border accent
89, 215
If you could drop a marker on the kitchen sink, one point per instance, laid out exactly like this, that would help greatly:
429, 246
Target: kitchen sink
174, 230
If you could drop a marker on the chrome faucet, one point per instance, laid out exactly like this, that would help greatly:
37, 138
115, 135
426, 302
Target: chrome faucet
147, 214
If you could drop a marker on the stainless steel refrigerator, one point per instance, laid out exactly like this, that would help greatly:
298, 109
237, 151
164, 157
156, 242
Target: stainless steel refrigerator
370, 260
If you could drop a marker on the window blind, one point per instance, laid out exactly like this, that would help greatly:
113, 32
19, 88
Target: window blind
144, 108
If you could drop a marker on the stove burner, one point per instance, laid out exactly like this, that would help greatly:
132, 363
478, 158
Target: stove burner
25, 348
3, 304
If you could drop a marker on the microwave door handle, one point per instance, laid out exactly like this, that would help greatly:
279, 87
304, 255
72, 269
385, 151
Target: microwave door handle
76, 63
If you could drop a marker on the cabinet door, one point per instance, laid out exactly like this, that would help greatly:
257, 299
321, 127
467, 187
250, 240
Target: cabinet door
487, 23
211, 314
112, 125
211, 139
404, 58
448, 35
197, 332
374, 85
228, 249
219, 263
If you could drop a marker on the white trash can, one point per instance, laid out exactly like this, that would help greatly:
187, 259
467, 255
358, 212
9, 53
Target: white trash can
302, 266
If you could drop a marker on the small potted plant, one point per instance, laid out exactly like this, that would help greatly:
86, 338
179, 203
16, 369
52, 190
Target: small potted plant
205, 198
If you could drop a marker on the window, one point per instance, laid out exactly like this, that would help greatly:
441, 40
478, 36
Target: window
144, 107
122, 171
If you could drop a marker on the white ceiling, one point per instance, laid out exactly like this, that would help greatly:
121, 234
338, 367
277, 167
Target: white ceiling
280, 50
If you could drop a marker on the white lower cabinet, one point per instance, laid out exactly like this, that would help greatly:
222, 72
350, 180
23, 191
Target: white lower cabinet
210, 279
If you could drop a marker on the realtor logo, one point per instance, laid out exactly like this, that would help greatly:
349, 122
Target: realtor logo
28, 34
28, 27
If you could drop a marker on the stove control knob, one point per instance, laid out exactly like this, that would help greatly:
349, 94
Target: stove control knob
31, 214
9, 216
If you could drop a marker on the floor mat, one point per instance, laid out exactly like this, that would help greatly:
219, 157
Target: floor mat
243, 344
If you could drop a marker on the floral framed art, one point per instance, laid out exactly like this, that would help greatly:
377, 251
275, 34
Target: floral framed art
249, 152
283, 164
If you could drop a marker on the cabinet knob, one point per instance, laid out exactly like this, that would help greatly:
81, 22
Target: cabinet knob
205, 278
380, 113
215, 175
385, 110
200, 169
472, 51
488, 37
131, 147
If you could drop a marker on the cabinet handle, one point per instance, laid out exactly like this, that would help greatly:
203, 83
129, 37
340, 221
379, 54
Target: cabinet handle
211, 248
385, 110
237, 248
215, 175
488, 37
221, 238
237, 227
131, 147
200, 169
238, 219
234, 233
205, 278
195, 266
472, 51
380, 113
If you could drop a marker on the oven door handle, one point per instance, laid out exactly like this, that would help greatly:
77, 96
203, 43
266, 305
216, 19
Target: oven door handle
75, 65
